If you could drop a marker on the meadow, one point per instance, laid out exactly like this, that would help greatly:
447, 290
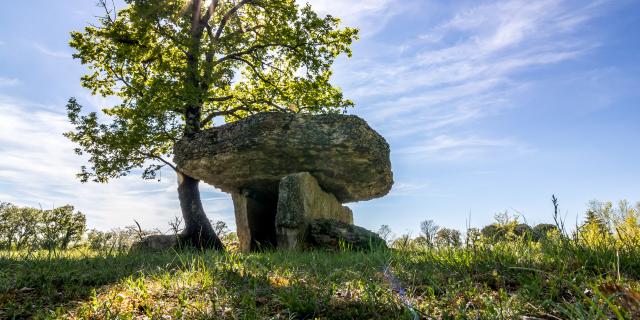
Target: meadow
555, 278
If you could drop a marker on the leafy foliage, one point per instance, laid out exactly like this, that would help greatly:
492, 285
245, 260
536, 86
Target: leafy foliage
61, 226
24, 227
19, 227
446, 237
176, 65
608, 226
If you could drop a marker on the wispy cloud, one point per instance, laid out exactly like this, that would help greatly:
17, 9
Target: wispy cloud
9, 82
50, 52
449, 148
402, 189
464, 68
38, 167
370, 16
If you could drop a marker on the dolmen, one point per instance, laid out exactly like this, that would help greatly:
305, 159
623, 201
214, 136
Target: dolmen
290, 174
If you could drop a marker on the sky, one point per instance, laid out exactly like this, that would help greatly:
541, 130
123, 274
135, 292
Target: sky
487, 106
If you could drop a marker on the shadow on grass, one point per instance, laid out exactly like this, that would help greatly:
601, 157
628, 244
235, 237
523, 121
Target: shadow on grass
303, 285
32, 284
308, 285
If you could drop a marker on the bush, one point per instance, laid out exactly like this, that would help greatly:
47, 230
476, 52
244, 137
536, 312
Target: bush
494, 232
608, 227
541, 231
522, 231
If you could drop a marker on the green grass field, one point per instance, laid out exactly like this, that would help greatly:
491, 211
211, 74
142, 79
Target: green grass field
554, 279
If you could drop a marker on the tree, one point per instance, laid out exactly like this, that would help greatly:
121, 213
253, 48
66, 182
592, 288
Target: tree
522, 231
61, 226
446, 237
472, 237
429, 230
178, 65
385, 232
220, 228
599, 215
18, 226
494, 232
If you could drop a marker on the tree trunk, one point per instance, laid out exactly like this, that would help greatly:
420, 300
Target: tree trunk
198, 231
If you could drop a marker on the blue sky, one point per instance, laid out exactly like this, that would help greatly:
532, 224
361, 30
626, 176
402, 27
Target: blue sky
487, 105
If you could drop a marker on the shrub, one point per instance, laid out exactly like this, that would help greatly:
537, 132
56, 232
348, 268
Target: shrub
494, 232
541, 231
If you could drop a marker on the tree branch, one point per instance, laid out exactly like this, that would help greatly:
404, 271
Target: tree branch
195, 17
254, 48
259, 75
218, 99
270, 103
212, 9
159, 28
228, 15
232, 111
251, 29
103, 5
159, 158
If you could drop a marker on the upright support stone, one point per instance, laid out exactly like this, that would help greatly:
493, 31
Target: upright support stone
255, 216
301, 200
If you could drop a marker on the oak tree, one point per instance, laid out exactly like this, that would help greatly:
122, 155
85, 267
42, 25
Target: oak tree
176, 66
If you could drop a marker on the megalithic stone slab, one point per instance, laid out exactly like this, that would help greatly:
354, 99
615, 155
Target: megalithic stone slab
300, 200
337, 235
348, 158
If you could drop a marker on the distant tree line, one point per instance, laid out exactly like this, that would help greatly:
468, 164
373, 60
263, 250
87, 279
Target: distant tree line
25, 227
605, 224
28, 228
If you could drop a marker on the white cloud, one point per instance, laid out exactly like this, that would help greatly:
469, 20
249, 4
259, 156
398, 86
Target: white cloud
38, 167
370, 16
402, 189
9, 82
50, 52
463, 68
448, 148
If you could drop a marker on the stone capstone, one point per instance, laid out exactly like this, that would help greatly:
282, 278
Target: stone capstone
348, 158
301, 200
337, 235
289, 174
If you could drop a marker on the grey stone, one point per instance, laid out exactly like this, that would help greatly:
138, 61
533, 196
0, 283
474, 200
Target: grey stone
337, 235
301, 200
157, 242
346, 156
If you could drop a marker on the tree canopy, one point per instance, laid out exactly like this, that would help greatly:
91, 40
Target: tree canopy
177, 65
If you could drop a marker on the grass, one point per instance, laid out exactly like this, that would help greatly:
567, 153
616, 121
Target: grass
508, 280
